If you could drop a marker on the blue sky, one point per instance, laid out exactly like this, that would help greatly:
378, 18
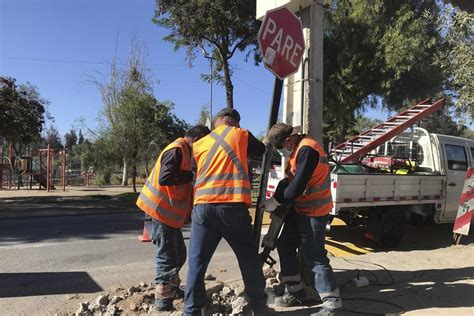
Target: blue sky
56, 44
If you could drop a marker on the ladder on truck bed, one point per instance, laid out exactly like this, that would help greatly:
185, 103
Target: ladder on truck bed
357, 147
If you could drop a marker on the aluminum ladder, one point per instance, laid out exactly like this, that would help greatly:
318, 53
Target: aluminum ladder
356, 148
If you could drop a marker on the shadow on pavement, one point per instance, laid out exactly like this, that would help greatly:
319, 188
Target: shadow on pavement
411, 290
46, 283
427, 237
57, 229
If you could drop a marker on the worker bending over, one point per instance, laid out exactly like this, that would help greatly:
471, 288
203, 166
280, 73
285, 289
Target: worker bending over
221, 201
167, 198
307, 187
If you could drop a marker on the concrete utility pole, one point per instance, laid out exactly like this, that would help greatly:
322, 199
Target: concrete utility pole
303, 91
314, 114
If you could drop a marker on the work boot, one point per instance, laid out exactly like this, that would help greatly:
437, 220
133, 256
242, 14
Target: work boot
328, 312
164, 305
179, 293
265, 312
292, 299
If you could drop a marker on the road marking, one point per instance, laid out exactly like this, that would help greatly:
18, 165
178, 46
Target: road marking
344, 249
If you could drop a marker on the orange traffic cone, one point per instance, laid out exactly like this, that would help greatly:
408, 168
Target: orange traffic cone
144, 237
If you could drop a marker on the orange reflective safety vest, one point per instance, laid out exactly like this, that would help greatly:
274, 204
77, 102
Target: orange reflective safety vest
171, 204
316, 200
222, 168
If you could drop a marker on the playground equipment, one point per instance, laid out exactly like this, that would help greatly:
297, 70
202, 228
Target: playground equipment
6, 167
39, 166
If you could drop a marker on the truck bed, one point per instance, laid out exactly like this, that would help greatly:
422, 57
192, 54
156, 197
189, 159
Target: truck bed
362, 190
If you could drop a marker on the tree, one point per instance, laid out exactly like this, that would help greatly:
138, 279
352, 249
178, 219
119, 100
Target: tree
219, 27
456, 58
204, 116
468, 133
140, 121
378, 52
441, 122
364, 123
22, 112
52, 138
70, 138
80, 139
135, 121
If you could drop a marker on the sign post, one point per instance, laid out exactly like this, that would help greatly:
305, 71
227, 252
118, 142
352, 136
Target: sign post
281, 42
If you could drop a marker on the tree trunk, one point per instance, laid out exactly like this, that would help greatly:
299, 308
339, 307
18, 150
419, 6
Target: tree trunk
125, 172
229, 88
147, 172
134, 178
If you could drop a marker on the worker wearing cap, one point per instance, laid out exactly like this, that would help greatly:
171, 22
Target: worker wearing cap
167, 199
221, 201
307, 188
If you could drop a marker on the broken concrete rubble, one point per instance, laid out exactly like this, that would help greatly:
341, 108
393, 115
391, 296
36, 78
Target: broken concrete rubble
223, 299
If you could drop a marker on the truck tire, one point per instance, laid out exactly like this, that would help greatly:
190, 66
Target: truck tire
387, 226
391, 228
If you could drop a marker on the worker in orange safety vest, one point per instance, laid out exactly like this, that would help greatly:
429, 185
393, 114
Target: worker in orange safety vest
307, 188
167, 198
221, 201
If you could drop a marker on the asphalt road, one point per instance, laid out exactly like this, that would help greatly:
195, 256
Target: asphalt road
41, 258
44, 261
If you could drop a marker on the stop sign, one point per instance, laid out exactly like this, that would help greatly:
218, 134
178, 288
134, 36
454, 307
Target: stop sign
281, 42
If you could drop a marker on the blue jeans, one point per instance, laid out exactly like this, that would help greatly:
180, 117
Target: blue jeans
309, 233
210, 223
170, 258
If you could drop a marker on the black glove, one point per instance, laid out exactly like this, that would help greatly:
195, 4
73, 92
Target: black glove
280, 190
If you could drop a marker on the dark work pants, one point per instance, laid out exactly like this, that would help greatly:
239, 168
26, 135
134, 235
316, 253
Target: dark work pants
170, 258
309, 232
210, 223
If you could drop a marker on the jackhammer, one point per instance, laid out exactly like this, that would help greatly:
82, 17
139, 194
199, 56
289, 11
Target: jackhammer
270, 239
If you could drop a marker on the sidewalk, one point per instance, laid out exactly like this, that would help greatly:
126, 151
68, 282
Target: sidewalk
433, 282
74, 201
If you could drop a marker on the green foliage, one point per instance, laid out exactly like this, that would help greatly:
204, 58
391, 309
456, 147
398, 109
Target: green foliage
52, 138
137, 125
468, 133
22, 112
80, 139
441, 122
456, 58
220, 26
70, 139
377, 51
203, 116
364, 123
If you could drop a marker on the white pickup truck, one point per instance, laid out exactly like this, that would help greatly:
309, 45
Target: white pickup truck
428, 188
383, 200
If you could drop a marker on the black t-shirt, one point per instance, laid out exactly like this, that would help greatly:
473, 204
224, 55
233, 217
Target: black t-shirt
306, 162
170, 173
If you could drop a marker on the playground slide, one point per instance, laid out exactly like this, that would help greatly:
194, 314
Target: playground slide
42, 180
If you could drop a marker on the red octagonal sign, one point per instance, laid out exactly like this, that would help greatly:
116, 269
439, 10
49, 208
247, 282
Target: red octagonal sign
281, 41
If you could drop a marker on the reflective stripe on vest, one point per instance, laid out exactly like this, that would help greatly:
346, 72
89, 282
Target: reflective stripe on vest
220, 142
316, 200
223, 190
222, 176
318, 188
162, 196
170, 205
160, 210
